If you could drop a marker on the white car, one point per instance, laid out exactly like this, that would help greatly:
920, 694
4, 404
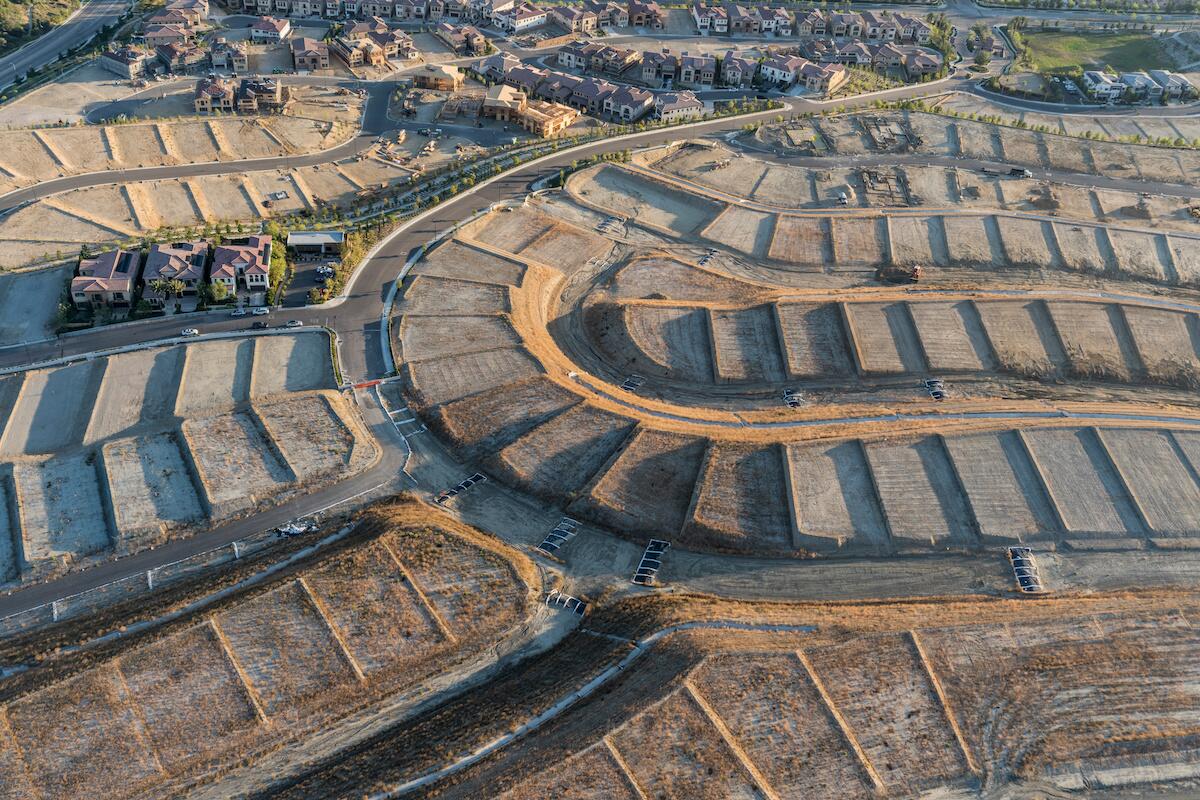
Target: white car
261, 311
294, 323
238, 312
189, 332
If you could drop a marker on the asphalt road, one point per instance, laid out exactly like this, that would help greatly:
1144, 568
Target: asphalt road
49, 47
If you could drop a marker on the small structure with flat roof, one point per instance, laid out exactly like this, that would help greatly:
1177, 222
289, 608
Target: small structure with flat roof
316, 243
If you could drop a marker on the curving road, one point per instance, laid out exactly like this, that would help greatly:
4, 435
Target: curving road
79, 28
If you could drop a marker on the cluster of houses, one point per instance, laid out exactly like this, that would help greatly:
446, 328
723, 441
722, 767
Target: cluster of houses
514, 16
594, 96
369, 42
1155, 85
176, 269
914, 60
372, 42
170, 41
666, 69
215, 95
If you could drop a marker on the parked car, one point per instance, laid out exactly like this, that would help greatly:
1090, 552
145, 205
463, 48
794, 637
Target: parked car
294, 323
238, 312
259, 325
189, 332
261, 311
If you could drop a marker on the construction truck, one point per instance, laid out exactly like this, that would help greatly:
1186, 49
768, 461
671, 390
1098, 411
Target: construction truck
893, 273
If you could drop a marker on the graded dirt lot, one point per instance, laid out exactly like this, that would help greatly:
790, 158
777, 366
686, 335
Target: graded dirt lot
656, 385
891, 700
113, 455
114, 214
288, 658
29, 156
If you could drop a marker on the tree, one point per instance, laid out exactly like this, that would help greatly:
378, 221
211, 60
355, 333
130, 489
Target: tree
218, 291
160, 286
982, 58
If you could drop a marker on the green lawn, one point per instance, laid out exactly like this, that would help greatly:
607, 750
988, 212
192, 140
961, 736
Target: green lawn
1127, 51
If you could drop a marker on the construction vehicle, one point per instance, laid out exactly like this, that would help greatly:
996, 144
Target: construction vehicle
893, 273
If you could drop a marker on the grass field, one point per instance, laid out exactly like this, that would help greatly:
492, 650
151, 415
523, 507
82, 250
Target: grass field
1054, 51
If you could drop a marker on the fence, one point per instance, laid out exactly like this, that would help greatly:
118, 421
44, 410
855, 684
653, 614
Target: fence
131, 586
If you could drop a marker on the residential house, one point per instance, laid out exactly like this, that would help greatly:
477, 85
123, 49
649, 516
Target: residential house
106, 280
525, 78
546, 119
213, 94
1173, 84
166, 17
710, 19
615, 60
742, 21
647, 15
558, 87
887, 56
262, 95
879, 26
372, 42
309, 54
232, 56
410, 10
628, 103
824, 51
574, 18
854, 52
736, 71
127, 62
521, 17
811, 23
782, 70
577, 55
158, 35
823, 79
493, 68
181, 57
676, 106
462, 39
1141, 86
178, 261
246, 265
439, 77
845, 24
920, 63
912, 29
503, 103
195, 11
697, 70
608, 14
1102, 87
592, 94
659, 67
270, 29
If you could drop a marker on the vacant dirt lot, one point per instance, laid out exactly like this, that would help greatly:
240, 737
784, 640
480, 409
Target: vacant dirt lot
100, 440
287, 659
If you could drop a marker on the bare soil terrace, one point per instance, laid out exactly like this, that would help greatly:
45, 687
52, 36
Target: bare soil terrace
185, 703
106, 457
704, 452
